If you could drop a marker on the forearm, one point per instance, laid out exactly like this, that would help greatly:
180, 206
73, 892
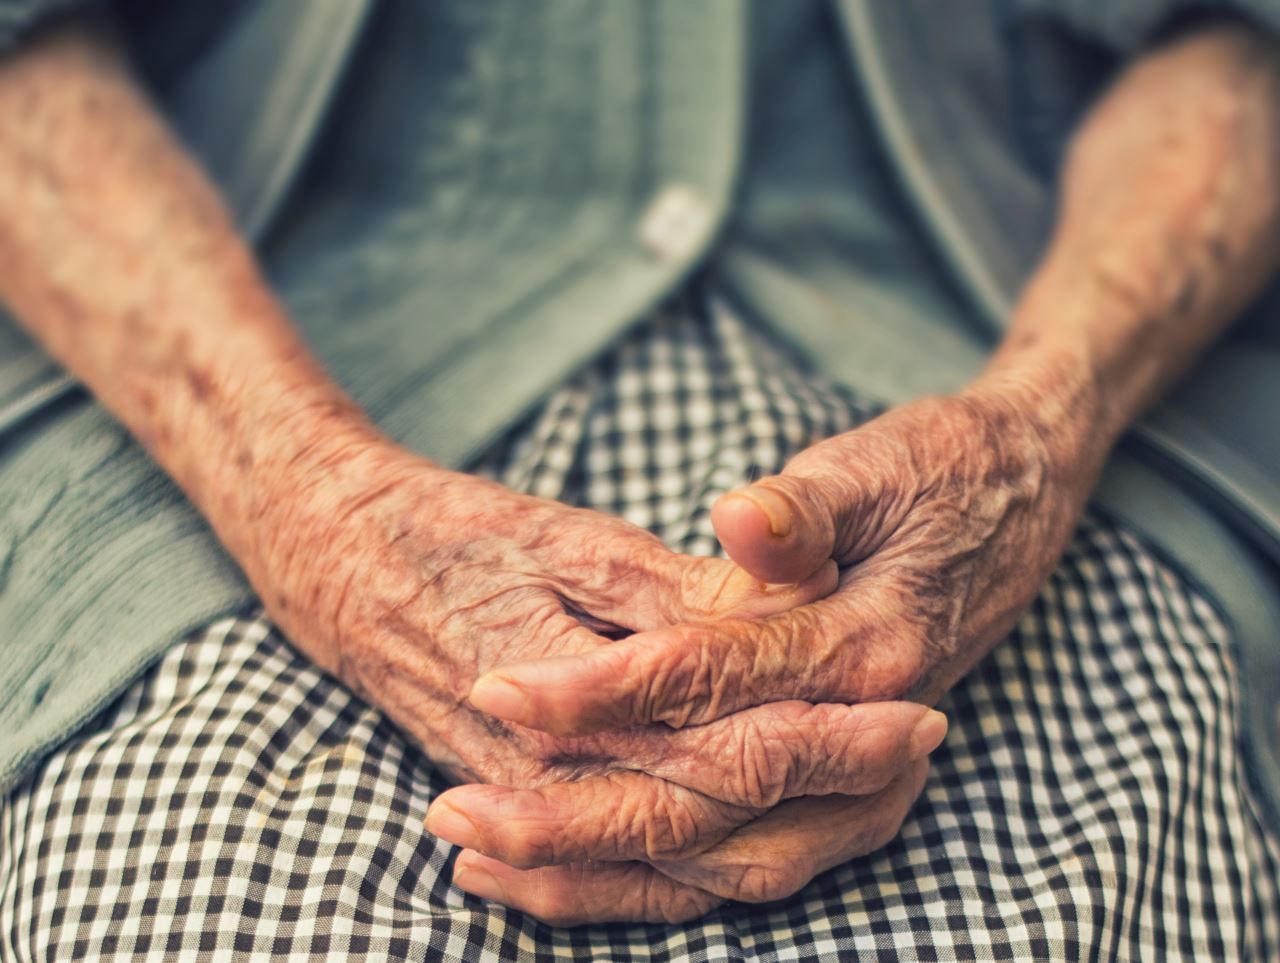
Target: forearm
119, 257
1169, 224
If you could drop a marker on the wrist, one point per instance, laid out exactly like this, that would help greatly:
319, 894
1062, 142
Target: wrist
1055, 411
1071, 361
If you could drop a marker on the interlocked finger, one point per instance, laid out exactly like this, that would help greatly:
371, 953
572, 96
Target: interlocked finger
697, 786
842, 649
585, 892
774, 856
770, 859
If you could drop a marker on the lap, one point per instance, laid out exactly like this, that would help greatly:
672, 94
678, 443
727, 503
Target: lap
1090, 799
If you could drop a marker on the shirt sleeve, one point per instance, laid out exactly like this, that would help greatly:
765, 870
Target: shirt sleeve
1126, 25
19, 17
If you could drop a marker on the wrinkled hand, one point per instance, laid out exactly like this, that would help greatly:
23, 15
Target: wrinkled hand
769, 859
945, 515
409, 582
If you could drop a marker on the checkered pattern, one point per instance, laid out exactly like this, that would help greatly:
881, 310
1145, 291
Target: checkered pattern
1089, 802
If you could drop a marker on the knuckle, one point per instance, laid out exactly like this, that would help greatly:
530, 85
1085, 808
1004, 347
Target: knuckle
561, 919
706, 586
846, 752
674, 833
830, 653
526, 843
529, 848
662, 822
676, 904
893, 669
765, 763
891, 660
886, 830
555, 903
829, 486
776, 649
682, 685
675, 827
820, 749
885, 824
767, 882
610, 565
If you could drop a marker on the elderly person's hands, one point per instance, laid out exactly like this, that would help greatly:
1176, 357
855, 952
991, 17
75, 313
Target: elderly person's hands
408, 582
945, 515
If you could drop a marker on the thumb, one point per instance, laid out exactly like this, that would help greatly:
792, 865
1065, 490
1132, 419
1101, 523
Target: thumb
779, 529
830, 502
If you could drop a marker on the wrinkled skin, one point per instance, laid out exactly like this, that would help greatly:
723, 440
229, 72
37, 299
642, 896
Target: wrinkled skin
409, 582
945, 516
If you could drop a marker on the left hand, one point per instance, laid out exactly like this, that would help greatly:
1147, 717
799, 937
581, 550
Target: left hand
945, 515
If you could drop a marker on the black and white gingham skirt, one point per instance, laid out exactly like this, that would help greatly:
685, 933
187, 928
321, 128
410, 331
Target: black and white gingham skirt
1089, 802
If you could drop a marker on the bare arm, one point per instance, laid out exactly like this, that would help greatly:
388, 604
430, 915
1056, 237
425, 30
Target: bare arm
120, 257
1169, 224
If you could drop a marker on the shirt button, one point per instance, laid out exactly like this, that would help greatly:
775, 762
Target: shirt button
676, 222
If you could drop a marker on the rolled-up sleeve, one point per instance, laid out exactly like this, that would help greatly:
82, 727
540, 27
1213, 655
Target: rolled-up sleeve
1126, 25
19, 17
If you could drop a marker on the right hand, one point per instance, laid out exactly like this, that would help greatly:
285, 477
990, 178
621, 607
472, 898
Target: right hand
408, 582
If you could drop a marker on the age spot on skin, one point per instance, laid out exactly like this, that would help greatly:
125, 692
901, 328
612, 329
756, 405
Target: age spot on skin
1186, 299
200, 382
1219, 250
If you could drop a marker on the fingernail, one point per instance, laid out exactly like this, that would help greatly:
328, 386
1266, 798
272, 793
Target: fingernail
776, 508
927, 735
454, 826
479, 882
499, 697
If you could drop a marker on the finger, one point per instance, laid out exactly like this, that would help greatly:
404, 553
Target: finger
774, 529
779, 853
667, 588
837, 500
574, 895
616, 817
697, 785
799, 840
761, 756
832, 651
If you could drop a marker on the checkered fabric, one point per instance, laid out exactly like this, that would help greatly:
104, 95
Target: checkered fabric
1089, 802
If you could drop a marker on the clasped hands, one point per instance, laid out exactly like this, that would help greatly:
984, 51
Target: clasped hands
642, 735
